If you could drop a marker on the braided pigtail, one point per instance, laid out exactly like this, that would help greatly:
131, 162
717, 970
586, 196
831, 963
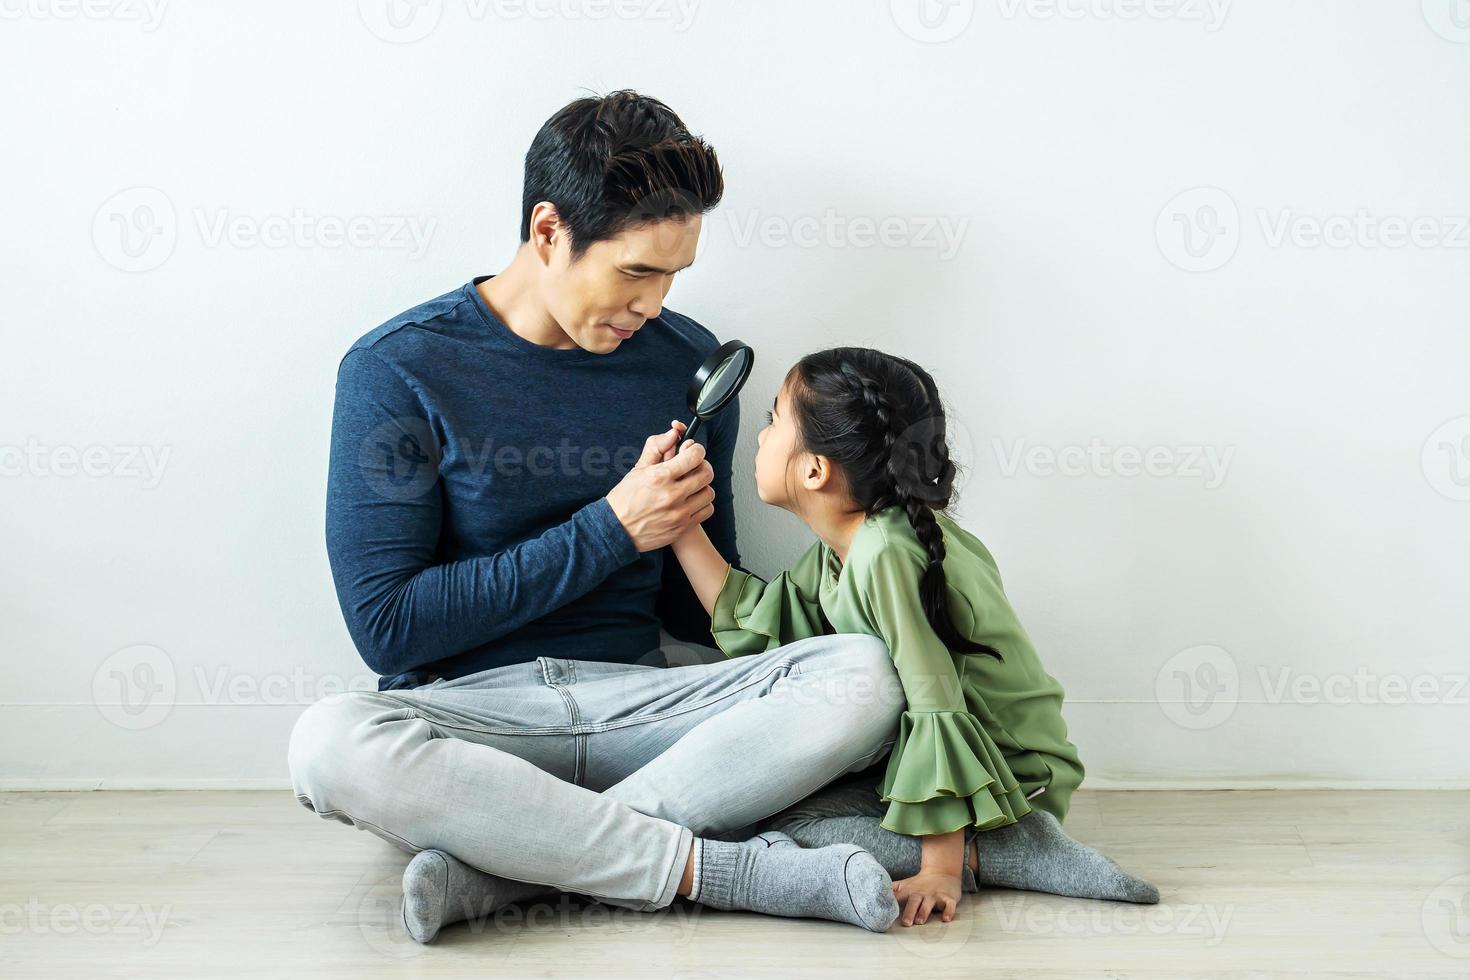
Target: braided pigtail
878, 417
934, 586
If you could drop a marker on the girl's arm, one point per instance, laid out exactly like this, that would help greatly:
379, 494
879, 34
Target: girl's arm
944, 853
937, 886
703, 565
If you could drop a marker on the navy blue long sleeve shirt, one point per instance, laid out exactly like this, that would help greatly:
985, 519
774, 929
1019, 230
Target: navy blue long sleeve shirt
467, 526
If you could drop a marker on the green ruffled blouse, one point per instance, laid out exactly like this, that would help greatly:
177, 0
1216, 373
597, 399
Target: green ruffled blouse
980, 736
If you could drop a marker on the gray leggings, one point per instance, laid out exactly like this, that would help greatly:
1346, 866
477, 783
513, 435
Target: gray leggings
848, 810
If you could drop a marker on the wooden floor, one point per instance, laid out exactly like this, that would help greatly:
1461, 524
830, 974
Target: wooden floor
250, 884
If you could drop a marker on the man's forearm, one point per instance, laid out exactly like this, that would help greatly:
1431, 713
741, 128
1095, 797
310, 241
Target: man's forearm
403, 613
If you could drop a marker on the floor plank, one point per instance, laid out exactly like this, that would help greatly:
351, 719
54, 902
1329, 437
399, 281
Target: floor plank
249, 884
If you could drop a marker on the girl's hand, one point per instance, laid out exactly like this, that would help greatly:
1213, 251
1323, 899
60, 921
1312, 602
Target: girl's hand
680, 428
924, 892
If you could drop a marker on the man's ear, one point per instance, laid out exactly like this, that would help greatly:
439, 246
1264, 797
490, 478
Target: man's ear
546, 231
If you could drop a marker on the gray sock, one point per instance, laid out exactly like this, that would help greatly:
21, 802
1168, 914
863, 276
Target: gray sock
843, 882
899, 854
1035, 854
1032, 854
439, 891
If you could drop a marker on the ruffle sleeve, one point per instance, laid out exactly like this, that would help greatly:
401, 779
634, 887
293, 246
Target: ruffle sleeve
751, 615
944, 772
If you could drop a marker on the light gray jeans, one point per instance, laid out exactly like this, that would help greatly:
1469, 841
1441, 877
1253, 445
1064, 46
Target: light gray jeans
594, 778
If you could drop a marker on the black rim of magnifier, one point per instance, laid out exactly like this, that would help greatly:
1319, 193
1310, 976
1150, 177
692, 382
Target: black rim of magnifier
710, 366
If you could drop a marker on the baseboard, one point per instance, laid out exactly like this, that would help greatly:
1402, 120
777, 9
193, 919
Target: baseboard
1100, 783
1125, 784
138, 785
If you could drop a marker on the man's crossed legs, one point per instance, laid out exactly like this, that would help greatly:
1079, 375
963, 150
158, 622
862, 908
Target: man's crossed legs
609, 780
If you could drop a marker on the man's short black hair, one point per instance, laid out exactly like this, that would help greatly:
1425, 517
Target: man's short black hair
612, 162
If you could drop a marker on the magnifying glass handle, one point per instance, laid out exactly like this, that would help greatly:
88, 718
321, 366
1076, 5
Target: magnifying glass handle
693, 428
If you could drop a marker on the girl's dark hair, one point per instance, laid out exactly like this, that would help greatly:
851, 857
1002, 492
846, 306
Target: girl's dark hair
616, 161
878, 418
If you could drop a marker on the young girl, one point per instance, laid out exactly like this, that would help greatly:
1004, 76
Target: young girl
982, 771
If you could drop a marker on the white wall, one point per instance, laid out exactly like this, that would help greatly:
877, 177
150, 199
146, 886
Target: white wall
1054, 297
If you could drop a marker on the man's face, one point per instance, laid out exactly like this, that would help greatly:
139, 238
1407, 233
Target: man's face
605, 296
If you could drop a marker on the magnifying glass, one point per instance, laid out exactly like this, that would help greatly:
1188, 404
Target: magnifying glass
717, 382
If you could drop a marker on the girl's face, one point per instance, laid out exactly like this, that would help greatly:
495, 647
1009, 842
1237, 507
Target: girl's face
777, 442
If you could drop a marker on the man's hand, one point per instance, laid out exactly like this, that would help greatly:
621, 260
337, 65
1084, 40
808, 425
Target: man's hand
926, 891
659, 499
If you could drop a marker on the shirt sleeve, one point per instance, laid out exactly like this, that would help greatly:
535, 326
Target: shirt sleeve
944, 771
753, 616
385, 509
678, 608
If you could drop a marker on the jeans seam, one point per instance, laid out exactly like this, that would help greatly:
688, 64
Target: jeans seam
306, 800
416, 848
578, 728
674, 712
783, 808
579, 739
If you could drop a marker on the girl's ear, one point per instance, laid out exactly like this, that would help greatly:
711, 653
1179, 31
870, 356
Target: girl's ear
816, 471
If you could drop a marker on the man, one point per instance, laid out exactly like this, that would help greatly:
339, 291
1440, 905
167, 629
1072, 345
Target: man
497, 524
